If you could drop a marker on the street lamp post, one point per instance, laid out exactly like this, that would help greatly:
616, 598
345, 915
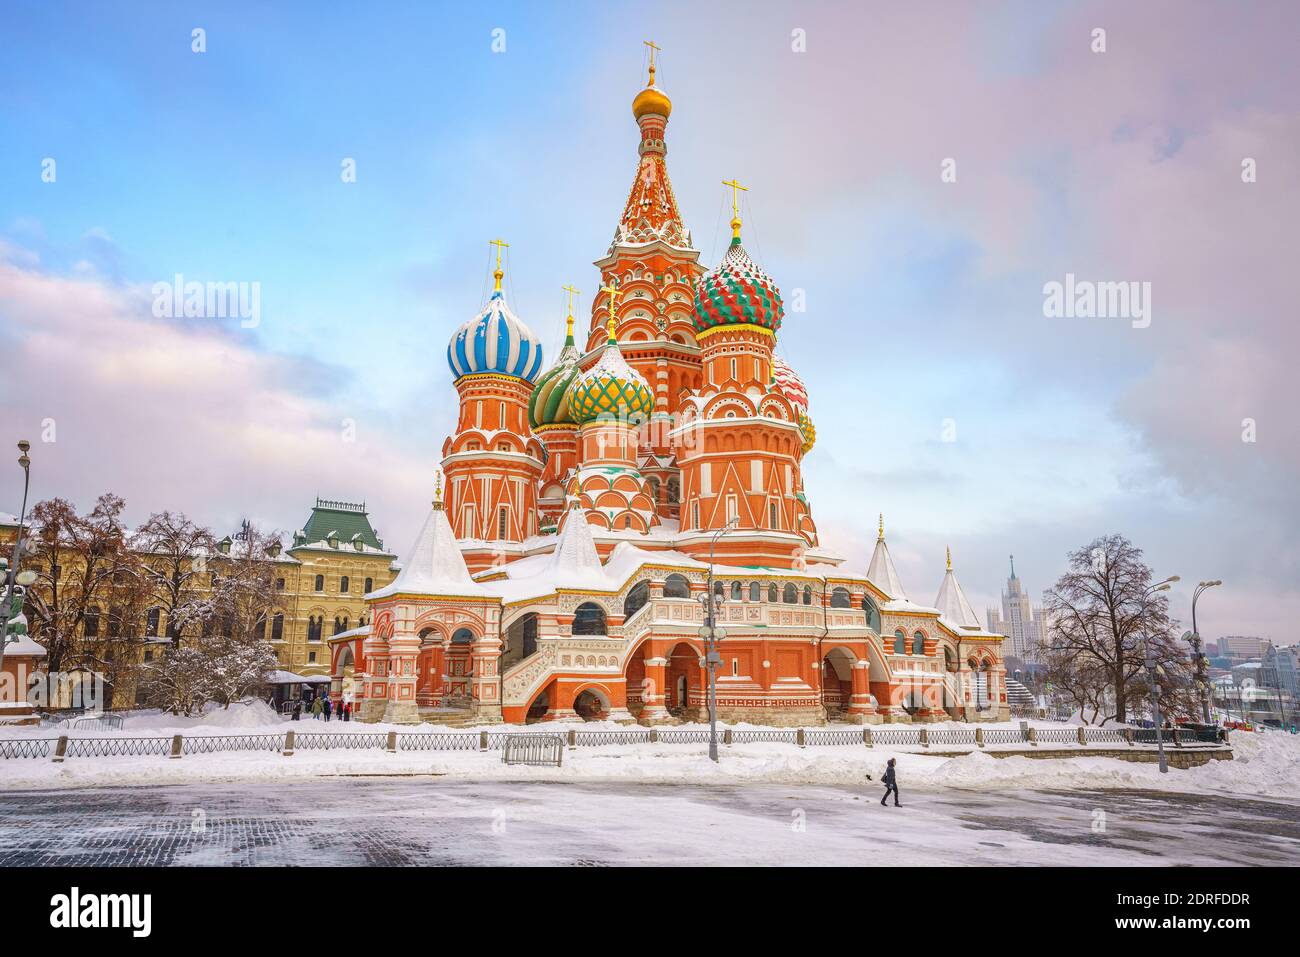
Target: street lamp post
14, 578
1152, 669
712, 634
1201, 588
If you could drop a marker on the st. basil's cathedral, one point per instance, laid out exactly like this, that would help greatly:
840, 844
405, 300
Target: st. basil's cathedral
563, 568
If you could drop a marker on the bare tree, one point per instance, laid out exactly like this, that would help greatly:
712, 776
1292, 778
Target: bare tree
82, 562
175, 554
1106, 619
244, 595
227, 657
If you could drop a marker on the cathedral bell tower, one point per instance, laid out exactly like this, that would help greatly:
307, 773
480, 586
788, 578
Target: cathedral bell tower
611, 401
550, 414
652, 262
740, 442
493, 463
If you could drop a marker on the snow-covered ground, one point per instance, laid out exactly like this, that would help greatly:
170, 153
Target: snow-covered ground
1265, 765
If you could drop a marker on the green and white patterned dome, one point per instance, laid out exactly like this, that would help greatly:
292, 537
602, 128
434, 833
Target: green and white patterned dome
549, 404
610, 389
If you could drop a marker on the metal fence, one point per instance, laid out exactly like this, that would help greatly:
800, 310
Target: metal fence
765, 735
211, 743
1004, 736
918, 737
1057, 735
899, 736
108, 722
823, 737
27, 747
1104, 736
599, 738
539, 750
448, 741
312, 741
117, 747
951, 736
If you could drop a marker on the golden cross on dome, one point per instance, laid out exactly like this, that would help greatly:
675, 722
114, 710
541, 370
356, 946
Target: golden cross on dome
612, 322
500, 244
949, 551
437, 489
653, 49
736, 190
569, 316
882, 527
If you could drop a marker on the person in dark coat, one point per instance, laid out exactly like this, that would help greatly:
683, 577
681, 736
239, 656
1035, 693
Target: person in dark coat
347, 711
891, 784
297, 711
326, 708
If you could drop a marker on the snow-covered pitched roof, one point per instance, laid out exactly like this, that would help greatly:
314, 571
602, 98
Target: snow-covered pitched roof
952, 604
434, 565
574, 563
881, 571
358, 632
26, 646
283, 678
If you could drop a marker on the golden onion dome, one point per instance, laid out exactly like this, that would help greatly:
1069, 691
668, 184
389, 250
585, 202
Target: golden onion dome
651, 100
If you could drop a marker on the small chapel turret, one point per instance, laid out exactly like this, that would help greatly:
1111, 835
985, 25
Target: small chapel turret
493, 462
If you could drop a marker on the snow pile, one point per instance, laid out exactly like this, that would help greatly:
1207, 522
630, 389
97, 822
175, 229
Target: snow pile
244, 714
253, 714
1263, 764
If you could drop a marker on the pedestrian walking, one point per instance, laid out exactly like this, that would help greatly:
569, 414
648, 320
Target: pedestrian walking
297, 710
316, 709
891, 784
347, 711
327, 709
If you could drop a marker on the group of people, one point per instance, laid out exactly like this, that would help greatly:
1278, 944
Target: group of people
322, 707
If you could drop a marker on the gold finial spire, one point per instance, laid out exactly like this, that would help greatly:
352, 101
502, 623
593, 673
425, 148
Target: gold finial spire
500, 244
949, 551
653, 49
612, 322
882, 527
568, 319
437, 490
736, 190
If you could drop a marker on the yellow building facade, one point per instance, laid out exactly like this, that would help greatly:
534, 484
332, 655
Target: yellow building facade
335, 558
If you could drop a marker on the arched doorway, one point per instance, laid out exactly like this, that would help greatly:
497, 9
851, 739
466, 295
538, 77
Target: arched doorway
591, 704
683, 681
343, 671
980, 684
458, 668
837, 682
541, 706
635, 680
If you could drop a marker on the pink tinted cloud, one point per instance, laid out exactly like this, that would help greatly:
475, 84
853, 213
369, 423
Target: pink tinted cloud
187, 415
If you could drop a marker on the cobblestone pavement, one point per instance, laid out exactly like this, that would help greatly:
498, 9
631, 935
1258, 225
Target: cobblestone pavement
427, 821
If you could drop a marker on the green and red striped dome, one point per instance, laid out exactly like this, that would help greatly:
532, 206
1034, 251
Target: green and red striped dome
737, 291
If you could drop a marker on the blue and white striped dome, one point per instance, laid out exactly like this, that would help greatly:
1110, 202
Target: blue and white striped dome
495, 341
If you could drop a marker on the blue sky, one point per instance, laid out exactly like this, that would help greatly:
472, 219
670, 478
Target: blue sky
924, 298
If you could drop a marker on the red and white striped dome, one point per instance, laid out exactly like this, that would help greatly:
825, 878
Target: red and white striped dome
789, 384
